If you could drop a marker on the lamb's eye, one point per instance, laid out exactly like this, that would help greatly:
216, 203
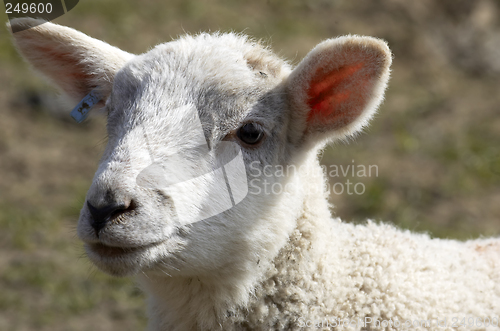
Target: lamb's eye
250, 134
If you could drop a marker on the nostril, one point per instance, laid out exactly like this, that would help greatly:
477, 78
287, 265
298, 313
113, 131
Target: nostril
101, 215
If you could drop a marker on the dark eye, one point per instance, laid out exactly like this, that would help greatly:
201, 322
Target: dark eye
250, 134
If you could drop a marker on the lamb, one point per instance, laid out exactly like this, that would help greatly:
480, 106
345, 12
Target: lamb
270, 260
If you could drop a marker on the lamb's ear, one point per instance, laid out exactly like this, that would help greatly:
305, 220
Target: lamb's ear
73, 61
337, 88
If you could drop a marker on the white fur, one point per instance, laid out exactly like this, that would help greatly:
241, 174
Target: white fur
274, 261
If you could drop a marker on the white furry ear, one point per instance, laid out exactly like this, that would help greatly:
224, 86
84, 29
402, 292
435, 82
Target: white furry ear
337, 88
73, 61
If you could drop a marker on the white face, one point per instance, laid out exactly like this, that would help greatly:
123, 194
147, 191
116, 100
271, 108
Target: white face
170, 111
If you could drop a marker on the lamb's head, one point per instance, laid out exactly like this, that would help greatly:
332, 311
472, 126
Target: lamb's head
193, 125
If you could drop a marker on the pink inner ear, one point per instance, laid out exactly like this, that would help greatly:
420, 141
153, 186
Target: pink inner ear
70, 69
333, 97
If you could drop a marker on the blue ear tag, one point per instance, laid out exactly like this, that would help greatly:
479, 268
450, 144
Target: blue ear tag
80, 112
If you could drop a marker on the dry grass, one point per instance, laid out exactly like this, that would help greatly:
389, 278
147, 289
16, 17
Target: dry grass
435, 141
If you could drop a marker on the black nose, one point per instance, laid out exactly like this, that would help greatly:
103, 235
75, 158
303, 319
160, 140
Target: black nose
100, 216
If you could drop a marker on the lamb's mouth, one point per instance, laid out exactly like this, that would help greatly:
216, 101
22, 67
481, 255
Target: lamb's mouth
105, 251
121, 261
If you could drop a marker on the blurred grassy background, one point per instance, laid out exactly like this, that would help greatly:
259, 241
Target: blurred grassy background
435, 141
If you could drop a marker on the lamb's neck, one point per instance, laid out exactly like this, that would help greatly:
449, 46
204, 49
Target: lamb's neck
195, 304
